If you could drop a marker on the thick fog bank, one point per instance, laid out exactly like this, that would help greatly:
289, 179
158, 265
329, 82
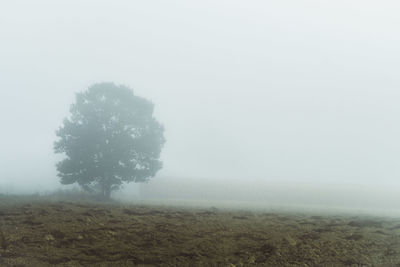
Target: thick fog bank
313, 195
284, 102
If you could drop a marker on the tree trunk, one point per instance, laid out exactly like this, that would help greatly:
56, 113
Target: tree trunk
106, 190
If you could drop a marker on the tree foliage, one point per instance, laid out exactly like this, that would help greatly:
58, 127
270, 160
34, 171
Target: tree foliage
110, 138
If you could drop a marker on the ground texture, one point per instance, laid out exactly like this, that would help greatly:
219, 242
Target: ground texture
74, 234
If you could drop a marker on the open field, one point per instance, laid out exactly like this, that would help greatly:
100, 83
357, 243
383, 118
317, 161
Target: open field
67, 233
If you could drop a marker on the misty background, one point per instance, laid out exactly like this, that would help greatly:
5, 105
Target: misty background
279, 101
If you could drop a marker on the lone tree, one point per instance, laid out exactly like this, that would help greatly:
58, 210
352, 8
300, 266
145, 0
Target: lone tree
110, 138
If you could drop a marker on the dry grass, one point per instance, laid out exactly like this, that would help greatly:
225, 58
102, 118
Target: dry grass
54, 233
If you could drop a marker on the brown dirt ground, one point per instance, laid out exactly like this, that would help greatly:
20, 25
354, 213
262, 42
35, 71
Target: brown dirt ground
74, 234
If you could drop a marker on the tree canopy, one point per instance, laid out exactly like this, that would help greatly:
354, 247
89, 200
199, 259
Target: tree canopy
110, 138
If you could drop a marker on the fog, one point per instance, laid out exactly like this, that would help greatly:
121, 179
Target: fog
291, 102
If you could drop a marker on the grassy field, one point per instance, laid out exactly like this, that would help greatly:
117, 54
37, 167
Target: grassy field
37, 231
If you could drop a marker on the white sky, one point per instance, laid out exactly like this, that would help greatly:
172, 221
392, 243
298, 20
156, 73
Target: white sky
263, 90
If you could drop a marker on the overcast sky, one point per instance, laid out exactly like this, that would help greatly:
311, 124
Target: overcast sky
247, 90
